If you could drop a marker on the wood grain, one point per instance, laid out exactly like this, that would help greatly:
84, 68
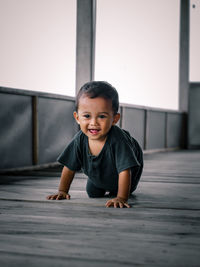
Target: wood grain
161, 229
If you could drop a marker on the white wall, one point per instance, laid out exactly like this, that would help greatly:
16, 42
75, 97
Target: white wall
38, 45
137, 50
137, 47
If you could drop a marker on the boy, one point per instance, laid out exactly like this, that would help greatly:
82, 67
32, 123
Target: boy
108, 155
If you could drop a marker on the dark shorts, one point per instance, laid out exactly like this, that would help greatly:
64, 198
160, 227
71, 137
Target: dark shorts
94, 192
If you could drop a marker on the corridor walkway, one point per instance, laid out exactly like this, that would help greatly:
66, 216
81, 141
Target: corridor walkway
162, 228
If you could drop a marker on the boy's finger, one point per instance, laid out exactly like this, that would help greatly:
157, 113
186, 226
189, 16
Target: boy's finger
108, 203
59, 197
50, 197
127, 205
121, 205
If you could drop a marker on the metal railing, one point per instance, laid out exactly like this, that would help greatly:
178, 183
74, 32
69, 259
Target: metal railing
35, 127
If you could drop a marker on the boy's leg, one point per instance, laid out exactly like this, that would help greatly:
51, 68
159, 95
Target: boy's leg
94, 191
135, 178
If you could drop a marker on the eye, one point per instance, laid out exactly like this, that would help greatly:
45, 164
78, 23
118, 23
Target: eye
87, 116
102, 116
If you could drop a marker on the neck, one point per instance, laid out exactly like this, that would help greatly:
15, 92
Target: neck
95, 146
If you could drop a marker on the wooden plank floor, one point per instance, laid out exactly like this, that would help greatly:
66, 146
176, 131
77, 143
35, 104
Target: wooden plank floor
161, 229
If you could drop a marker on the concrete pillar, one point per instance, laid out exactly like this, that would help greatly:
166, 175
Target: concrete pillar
193, 117
86, 18
184, 56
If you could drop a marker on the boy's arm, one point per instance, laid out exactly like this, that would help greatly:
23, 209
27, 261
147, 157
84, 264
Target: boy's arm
124, 185
65, 182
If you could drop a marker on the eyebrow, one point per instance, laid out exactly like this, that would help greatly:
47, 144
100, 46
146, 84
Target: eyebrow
103, 112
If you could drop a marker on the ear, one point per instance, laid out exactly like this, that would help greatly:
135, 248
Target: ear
76, 117
116, 118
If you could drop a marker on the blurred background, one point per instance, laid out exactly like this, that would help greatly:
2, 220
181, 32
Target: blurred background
148, 50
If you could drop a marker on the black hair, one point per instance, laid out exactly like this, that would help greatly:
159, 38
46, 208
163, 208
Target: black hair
99, 89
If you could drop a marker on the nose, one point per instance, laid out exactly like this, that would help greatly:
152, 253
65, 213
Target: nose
93, 121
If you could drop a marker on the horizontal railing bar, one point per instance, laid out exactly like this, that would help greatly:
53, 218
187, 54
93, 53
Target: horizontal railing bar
24, 92
70, 98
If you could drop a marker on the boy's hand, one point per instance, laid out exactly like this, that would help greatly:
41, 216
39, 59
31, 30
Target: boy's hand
59, 196
117, 203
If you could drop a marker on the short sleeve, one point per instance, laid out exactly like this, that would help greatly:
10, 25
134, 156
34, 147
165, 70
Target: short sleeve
125, 155
71, 157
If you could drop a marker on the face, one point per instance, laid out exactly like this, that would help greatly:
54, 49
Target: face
95, 117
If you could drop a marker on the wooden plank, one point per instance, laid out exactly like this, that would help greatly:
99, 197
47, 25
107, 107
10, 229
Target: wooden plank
161, 229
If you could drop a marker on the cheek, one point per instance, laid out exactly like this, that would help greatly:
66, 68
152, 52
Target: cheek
83, 122
108, 124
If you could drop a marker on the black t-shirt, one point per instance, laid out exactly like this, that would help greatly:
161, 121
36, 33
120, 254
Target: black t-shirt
120, 152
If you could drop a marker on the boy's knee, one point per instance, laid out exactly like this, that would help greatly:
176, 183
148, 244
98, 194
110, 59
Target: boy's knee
95, 194
93, 191
136, 178
90, 194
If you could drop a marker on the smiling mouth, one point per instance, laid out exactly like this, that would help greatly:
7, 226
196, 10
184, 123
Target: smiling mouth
94, 131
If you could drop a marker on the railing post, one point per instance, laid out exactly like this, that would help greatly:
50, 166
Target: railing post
166, 129
184, 55
85, 41
35, 129
145, 129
